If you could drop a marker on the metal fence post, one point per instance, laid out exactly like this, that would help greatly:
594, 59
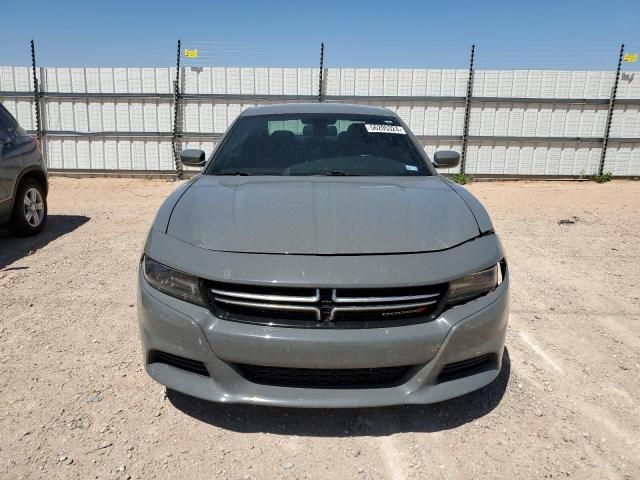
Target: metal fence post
36, 98
467, 112
176, 106
320, 78
612, 102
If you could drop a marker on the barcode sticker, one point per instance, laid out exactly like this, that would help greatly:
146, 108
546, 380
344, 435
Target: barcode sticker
385, 129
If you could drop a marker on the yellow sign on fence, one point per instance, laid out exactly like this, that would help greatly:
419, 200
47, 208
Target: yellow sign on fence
191, 53
630, 57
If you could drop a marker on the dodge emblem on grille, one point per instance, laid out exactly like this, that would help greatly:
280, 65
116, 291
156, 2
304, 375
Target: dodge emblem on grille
404, 312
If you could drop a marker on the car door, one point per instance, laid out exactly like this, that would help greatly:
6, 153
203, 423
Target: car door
11, 148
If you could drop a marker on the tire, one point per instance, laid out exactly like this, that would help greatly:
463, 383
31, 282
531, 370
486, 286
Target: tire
28, 217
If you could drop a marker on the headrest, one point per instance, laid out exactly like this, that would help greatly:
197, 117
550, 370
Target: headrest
320, 130
357, 129
282, 135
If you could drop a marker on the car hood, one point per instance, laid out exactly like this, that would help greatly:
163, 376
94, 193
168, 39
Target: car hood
321, 215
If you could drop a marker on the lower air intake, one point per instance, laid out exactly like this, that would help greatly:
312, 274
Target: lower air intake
465, 368
325, 378
193, 366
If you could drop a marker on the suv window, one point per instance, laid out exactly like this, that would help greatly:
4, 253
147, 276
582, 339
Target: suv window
8, 125
318, 144
4, 131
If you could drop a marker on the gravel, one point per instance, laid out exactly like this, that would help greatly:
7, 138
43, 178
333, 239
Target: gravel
565, 405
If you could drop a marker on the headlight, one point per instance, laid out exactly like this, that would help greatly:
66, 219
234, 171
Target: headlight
474, 285
172, 282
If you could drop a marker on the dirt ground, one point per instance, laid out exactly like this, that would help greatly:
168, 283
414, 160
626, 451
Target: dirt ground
75, 401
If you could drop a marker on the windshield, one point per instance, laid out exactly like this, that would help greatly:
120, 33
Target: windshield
318, 144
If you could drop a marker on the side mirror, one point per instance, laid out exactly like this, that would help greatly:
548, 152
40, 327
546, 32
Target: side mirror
446, 159
192, 157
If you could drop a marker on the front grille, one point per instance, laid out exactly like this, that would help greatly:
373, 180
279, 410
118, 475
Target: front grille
464, 368
193, 366
325, 378
324, 307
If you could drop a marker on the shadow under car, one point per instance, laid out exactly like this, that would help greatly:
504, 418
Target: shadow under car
14, 248
380, 421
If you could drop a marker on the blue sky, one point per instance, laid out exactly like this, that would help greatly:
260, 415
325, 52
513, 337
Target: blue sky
553, 34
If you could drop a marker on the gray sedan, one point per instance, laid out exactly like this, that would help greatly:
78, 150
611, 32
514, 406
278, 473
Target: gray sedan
319, 260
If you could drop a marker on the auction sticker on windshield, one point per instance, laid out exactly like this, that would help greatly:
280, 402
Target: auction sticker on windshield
384, 129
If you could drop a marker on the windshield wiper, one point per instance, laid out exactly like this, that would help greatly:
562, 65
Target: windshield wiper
339, 173
238, 173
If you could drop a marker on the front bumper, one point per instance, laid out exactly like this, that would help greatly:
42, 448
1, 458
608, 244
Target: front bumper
179, 328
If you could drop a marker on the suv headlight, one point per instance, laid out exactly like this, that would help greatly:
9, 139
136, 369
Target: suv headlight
172, 282
475, 285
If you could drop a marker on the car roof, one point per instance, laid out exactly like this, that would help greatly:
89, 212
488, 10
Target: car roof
327, 108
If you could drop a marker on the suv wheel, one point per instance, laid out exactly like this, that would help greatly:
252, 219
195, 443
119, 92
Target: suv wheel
30, 209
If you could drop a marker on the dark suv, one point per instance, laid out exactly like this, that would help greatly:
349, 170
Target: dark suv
23, 178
